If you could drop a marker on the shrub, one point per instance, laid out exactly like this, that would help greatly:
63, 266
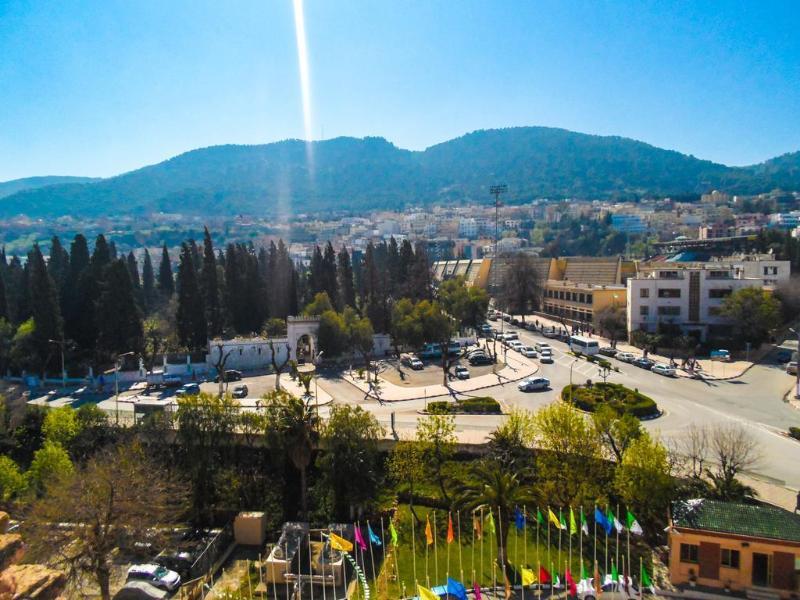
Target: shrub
794, 432
477, 406
602, 362
620, 398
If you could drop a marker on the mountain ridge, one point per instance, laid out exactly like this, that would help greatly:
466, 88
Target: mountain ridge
372, 173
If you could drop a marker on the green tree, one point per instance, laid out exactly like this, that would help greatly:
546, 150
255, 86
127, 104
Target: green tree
406, 467
119, 321
209, 283
406, 327
190, 317
166, 284
616, 432
321, 303
612, 323
467, 305
50, 463
359, 335
23, 346
148, 282
12, 481
344, 277
61, 425
350, 464
643, 478
45, 308
436, 436
753, 312
332, 334
521, 287
437, 327
509, 444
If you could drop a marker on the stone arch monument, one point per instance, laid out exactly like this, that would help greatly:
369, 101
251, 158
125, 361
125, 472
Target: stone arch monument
299, 327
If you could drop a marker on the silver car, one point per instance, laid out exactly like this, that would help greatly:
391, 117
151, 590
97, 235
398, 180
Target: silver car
156, 575
610, 590
533, 383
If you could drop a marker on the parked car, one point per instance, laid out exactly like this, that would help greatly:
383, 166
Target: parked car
627, 357
546, 356
533, 383
530, 326
644, 363
479, 358
411, 361
507, 318
491, 316
610, 590
462, 372
550, 333
511, 335
188, 389
516, 345
608, 351
528, 352
662, 369
723, 355
230, 375
542, 346
156, 575
516, 322
791, 367
173, 381
240, 391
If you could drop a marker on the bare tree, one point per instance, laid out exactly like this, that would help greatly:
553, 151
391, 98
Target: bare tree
276, 366
733, 451
120, 496
521, 288
219, 365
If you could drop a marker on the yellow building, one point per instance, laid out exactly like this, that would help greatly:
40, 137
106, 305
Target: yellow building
747, 548
580, 301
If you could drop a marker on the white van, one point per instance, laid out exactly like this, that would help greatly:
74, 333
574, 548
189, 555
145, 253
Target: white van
542, 346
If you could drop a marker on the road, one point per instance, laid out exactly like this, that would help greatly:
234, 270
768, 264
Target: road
754, 400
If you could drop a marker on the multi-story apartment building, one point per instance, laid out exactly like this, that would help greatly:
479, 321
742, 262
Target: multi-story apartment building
687, 296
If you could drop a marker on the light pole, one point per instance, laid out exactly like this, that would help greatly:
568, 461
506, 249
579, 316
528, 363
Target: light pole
496, 190
116, 383
316, 386
61, 343
797, 364
572, 364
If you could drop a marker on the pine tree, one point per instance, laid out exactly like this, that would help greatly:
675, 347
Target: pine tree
190, 317
112, 250
166, 284
3, 301
344, 275
210, 287
58, 265
329, 284
17, 295
44, 306
119, 321
101, 257
148, 282
133, 270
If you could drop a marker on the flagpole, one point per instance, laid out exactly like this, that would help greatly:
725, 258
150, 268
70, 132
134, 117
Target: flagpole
386, 575
516, 552
427, 576
286, 558
580, 541
310, 568
560, 518
371, 553
524, 542
322, 562
549, 560
504, 543
594, 535
435, 553
628, 535
449, 520
616, 519
460, 563
414, 549
472, 554
606, 550
641, 584
493, 549
571, 520
481, 523
538, 559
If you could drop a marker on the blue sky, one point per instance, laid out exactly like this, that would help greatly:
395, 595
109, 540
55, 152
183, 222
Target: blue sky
104, 86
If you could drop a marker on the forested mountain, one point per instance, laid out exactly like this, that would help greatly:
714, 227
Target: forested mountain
31, 183
348, 173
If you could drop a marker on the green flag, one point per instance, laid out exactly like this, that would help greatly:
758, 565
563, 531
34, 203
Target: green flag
562, 522
393, 533
646, 579
633, 524
614, 572
584, 524
539, 517
584, 574
490, 524
573, 526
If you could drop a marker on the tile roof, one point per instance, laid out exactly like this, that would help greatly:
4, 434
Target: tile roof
755, 520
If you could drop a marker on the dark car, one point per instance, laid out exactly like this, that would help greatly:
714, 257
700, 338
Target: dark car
608, 351
644, 363
240, 391
230, 375
479, 359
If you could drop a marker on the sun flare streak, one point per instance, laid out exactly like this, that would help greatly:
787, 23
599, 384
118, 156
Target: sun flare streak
302, 59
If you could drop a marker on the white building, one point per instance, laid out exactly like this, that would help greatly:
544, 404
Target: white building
687, 296
628, 223
760, 266
468, 228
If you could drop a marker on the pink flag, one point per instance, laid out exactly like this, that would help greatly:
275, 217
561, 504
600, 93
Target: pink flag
360, 539
573, 589
477, 590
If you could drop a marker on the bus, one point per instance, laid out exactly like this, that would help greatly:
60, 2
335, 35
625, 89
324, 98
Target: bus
583, 345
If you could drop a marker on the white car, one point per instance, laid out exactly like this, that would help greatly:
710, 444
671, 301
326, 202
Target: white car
533, 383
511, 335
156, 575
462, 372
528, 352
610, 590
515, 345
542, 346
626, 357
664, 370
545, 356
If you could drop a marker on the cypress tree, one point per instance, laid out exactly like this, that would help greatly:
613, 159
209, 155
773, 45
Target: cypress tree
190, 317
112, 250
58, 265
119, 321
78, 263
166, 284
329, 284
347, 292
133, 270
148, 282
3, 301
101, 257
44, 306
210, 287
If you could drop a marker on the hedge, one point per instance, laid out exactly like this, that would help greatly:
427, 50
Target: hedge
794, 432
483, 405
620, 398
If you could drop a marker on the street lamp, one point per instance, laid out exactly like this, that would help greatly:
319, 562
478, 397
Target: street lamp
116, 383
797, 364
496, 190
316, 386
572, 364
61, 343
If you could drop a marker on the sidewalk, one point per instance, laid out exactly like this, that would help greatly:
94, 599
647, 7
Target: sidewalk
517, 367
709, 369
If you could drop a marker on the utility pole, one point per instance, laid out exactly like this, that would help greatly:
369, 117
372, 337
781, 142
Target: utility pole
116, 383
797, 363
496, 190
61, 344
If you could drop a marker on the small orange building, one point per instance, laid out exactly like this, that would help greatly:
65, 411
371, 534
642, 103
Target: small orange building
735, 546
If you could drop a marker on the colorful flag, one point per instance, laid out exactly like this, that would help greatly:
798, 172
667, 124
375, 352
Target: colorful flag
393, 534
646, 582
633, 524
456, 589
426, 594
428, 530
614, 522
614, 572
476, 526
528, 576
573, 589
562, 521
544, 575
597, 587
477, 589
539, 517
339, 543
573, 526
360, 539
584, 574
584, 524
553, 518
601, 520
490, 524
451, 536
372, 537
519, 519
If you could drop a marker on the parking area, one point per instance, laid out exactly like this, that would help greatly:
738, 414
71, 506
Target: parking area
431, 374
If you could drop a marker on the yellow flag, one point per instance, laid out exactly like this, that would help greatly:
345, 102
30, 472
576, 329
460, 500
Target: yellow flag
553, 518
428, 531
528, 577
426, 594
339, 543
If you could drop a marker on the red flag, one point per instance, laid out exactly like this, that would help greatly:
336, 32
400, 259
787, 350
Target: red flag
360, 539
451, 536
544, 575
477, 590
573, 589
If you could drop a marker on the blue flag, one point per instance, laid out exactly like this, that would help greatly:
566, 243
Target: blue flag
372, 537
456, 588
602, 520
519, 519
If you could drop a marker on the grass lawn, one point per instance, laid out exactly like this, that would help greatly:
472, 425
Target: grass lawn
522, 550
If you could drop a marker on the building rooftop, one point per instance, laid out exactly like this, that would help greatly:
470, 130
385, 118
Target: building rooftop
753, 520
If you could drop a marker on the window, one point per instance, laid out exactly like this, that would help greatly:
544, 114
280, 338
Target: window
669, 293
719, 274
588, 298
644, 293
582, 298
668, 275
720, 293
644, 311
729, 558
669, 311
689, 553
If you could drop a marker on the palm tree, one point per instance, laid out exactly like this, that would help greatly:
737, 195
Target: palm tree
499, 492
297, 424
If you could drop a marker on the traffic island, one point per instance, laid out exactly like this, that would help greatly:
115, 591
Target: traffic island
623, 400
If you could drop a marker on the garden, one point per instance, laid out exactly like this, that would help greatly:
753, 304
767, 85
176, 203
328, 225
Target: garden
621, 399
